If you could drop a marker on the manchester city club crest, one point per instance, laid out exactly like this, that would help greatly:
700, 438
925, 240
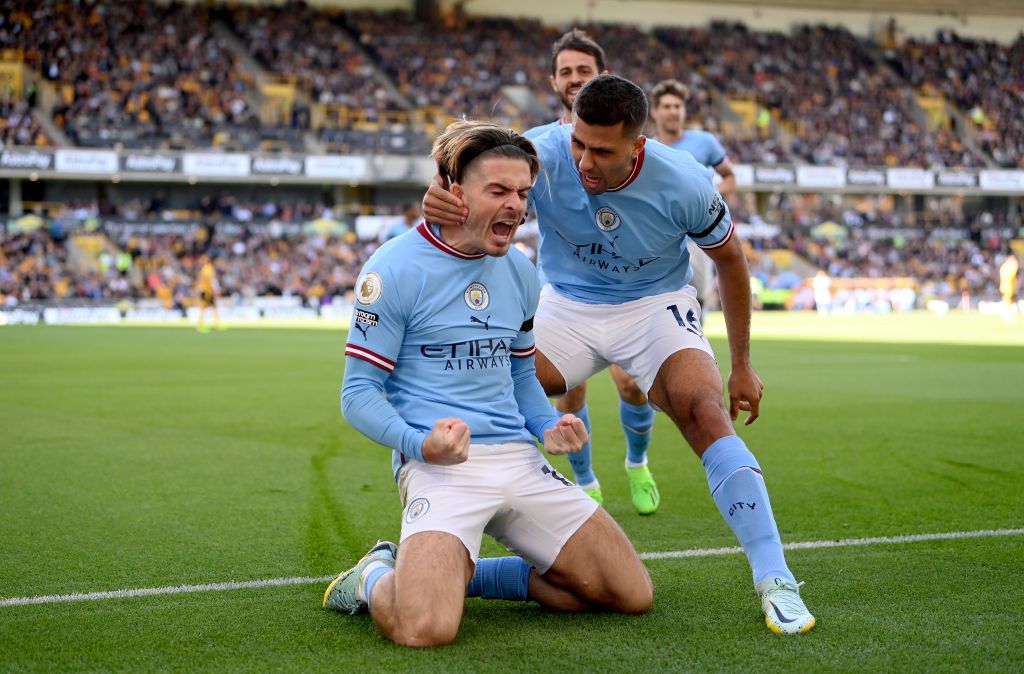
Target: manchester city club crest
477, 297
417, 509
369, 289
607, 219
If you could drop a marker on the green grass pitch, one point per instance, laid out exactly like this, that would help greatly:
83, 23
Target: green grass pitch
154, 457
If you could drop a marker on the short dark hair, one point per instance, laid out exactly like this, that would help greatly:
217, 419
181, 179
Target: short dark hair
607, 100
464, 141
577, 40
670, 88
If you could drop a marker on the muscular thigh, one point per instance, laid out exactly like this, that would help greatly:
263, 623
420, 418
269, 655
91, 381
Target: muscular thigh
431, 576
600, 565
643, 334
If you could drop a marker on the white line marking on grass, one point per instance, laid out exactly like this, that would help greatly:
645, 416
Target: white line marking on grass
675, 554
842, 543
150, 591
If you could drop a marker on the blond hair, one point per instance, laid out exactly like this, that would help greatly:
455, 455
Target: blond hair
465, 141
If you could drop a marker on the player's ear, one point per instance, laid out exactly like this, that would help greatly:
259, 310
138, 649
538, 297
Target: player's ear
457, 190
554, 87
639, 143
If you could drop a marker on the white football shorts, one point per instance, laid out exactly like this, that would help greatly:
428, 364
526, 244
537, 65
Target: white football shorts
582, 339
508, 491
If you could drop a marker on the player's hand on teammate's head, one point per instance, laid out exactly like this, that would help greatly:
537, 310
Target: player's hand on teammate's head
448, 442
745, 392
441, 207
567, 437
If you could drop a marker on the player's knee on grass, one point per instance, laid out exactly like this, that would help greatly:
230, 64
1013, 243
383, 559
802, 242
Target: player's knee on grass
426, 630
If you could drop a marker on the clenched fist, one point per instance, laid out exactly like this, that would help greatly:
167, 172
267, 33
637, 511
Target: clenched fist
448, 443
568, 436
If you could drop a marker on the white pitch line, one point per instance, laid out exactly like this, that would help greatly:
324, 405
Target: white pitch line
675, 554
150, 591
843, 543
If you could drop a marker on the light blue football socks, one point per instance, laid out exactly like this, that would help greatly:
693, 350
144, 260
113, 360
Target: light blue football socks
500, 578
740, 493
582, 461
636, 424
374, 573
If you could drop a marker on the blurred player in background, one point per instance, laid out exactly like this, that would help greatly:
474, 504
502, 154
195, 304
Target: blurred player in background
1008, 284
615, 213
209, 291
441, 369
401, 225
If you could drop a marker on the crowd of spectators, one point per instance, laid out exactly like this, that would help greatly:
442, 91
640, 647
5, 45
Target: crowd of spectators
135, 73
18, 126
263, 249
984, 79
310, 47
842, 105
251, 262
461, 65
138, 73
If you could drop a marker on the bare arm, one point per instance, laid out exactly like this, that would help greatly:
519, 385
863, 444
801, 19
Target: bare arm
745, 387
728, 183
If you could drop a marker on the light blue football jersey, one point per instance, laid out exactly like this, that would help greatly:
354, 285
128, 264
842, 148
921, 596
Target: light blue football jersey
538, 131
443, 334
704, 147
629, 242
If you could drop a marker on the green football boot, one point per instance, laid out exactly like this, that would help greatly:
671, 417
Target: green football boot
643, 490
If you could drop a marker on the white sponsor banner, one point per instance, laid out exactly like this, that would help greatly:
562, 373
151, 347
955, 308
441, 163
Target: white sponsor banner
283, 165
744, 174
86, 161
867, 177
1009, 181
25, 159
81, 315
781, 175
19, 317
910, 178
956, 179
151, 315
335, 166
757, 230
820, 176
213, 164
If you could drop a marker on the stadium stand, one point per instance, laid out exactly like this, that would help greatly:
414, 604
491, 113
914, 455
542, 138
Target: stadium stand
140, 74
984, 79
851, 109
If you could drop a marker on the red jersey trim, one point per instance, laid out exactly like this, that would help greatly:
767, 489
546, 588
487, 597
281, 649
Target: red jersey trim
635, 173
428, 234
370, 357
728, 235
